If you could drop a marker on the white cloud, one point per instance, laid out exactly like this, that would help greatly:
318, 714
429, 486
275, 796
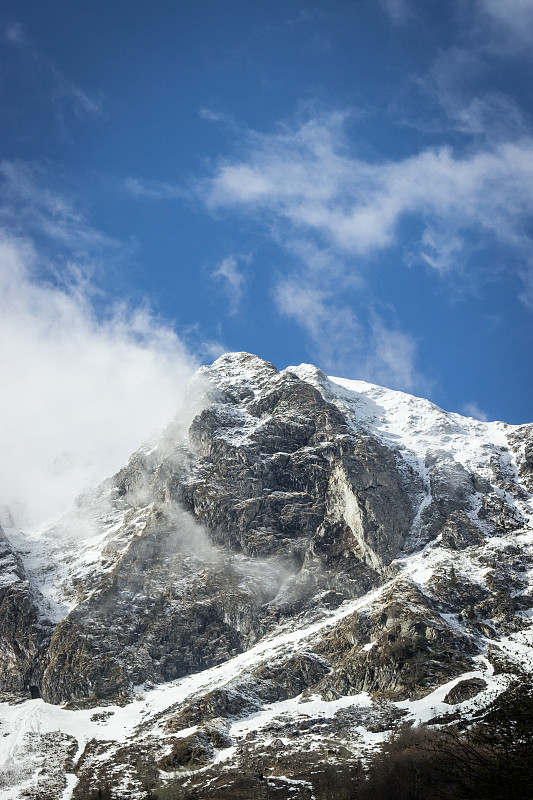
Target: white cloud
14, 33
400, 11
81, 388
340, 341
512, 19
473, 410
79, 393
233, 279
154, 190
305, 179
334, 211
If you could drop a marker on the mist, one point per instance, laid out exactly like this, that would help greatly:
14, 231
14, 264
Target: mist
80, 390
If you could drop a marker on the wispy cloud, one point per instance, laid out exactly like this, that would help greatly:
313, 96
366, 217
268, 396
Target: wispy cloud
442, 250
30, 207
80, 101
335, 212
512, 22
13, 33
333, 329
154, 190
218, 116
306, 179
526, 276
342, 343
60, 94
473, 410
453, 96
308, 15
399, 11
391, 358
233, 279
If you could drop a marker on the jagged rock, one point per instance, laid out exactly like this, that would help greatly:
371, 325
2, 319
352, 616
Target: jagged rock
190, 751
275, 681
273, 472
404, 650
131, 631
465, 690
24, 629
521, 441
459, 532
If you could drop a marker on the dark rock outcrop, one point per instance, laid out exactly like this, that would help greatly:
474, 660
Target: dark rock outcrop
25, 630
465, 690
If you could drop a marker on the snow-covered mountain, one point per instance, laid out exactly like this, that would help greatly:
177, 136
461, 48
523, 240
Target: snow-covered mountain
294, 566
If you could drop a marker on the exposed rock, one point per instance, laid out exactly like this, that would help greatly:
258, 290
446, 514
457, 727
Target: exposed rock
465, 690
521, 441
403, 650
459, 532
274, 472
272, 682
24, 629
190, 752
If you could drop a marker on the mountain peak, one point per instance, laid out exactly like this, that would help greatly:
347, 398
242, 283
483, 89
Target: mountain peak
294, 546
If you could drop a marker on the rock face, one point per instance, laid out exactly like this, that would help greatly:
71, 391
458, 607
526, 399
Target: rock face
521, 441
24, 630
307, 537
272, 501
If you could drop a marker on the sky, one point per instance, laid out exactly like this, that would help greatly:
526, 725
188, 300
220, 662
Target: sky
343, 183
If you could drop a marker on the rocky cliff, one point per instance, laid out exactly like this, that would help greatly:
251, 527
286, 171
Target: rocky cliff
292, 549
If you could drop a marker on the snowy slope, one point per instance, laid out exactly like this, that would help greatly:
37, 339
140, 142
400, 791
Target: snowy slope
146, 716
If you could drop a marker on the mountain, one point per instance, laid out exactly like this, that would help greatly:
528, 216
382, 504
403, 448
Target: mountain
296, 565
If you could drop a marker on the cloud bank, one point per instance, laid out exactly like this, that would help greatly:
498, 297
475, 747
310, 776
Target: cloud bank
80, 389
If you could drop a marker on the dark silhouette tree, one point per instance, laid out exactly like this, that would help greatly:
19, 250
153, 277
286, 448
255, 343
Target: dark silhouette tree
490, 760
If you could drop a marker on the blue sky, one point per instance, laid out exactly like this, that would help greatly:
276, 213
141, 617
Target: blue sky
344, 183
